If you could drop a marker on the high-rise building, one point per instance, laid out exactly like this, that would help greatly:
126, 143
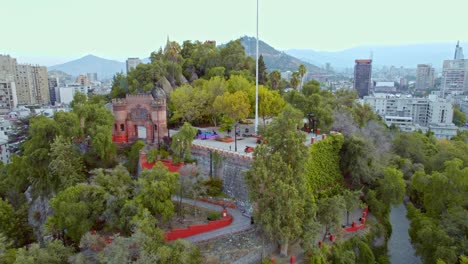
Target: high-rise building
132, 63
8, 99
32, 84
92, 76
458, 52
362, 77
424, 77
455, 73
53, 84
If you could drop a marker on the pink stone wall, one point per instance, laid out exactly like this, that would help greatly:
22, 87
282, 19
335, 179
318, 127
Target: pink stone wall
155, 123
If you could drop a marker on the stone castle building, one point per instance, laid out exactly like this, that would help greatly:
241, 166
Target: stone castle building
140, 116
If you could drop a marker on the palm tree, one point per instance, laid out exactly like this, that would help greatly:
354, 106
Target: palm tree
275, 78
302, 72
294, 80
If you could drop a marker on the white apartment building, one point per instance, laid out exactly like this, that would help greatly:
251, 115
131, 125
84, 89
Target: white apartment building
65, 94
409, 114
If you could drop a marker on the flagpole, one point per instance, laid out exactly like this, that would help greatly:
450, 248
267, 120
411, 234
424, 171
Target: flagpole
256, 81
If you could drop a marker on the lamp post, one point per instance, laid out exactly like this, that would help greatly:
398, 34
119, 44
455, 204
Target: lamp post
211, 163
235, 137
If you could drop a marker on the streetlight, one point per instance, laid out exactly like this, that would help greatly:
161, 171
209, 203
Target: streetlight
235, 137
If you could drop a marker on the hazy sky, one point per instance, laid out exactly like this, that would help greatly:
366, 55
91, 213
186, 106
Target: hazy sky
52, 31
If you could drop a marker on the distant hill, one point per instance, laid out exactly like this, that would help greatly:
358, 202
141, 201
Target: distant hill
275, 59
103, 67
408, 56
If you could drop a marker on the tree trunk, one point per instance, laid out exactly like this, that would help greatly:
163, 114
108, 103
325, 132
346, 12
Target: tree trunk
347, 217
326, 232
284, 248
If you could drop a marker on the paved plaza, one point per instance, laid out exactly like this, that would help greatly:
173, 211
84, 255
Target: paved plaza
242, 142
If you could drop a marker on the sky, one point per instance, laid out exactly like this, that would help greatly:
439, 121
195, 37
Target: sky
54, 31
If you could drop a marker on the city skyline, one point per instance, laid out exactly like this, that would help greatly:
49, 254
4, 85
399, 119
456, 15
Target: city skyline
72, 30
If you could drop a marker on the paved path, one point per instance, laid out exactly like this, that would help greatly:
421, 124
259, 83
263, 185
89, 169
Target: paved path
239, 223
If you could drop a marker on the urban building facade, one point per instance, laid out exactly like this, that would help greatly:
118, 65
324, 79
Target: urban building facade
455, 76
410, 114
132, 63
424, 77
363, 77
32, 84
92, 76
8, 98
455, 73
53, 85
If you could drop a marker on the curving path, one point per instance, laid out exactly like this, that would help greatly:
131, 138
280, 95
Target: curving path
239, 223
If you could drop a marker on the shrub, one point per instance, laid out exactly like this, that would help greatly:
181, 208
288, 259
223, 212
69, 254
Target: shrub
212, 215
152, 155
163, 154
214, 186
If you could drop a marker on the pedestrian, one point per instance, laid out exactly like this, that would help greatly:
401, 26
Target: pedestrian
229, 147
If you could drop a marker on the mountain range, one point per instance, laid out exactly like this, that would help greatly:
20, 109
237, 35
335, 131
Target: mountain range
103, 67
404, 55
275, 59
407, 56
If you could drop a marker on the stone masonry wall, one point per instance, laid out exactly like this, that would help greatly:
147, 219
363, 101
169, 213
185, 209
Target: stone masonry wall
228, 166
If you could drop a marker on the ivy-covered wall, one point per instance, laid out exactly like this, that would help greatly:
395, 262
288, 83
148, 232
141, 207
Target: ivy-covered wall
322, 169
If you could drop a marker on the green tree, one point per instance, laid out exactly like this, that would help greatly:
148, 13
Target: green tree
76, 210
7, 216
233, 107
66, 165
262, 70
275, 179
187, 103
154, 190
119, 86
69, 127
273, 187
295, 80
392, 186
351, 201
42, 132
134, 156
232, 56
459, 118
215, 72
270, 104
54, 252
274, 79
302, 71
213, 88
182, 141
357, 159
329, 213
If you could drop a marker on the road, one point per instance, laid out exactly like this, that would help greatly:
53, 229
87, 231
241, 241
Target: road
239, 223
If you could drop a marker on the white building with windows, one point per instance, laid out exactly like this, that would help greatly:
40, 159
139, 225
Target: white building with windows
410, 114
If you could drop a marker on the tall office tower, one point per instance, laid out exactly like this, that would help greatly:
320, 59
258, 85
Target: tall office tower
53, 86
92, 76
132, 63
458, 52
362, 77
8, 99
455, 76
32, 84
424, 77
